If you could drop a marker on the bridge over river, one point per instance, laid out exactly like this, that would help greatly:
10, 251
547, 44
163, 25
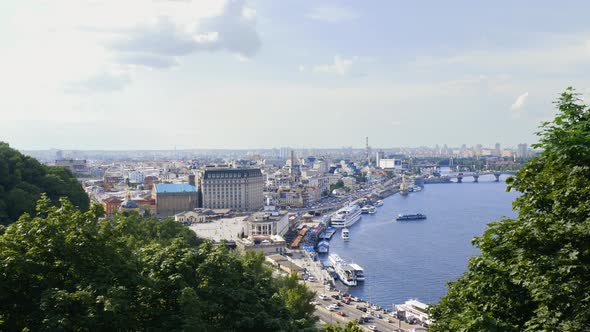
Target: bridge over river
475, 175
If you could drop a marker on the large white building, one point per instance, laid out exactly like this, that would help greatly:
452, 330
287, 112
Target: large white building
136, 176
390, 164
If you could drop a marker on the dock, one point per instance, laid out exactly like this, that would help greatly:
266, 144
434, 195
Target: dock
327, 234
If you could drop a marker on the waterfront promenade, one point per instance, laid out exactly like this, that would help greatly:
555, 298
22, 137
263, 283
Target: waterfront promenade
387, 323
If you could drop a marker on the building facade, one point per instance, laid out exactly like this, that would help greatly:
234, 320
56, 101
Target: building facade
175, 198
232, 188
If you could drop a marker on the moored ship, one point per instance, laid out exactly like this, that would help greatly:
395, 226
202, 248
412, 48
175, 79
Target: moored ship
346, 216
349, 274
345, 234
368, 209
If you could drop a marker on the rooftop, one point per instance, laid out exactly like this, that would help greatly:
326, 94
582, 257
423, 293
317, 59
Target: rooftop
175, 188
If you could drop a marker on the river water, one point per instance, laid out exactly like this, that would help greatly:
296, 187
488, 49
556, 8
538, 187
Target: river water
415, 259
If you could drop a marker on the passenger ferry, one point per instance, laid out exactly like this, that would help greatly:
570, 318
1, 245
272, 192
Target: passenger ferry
349, 274
346, 216
358, 270
368, 209
345, 234
417, 216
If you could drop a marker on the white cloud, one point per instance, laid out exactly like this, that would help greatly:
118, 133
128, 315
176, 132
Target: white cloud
556, 54
234, 30
67, 43
519, 103
331, 14
340, 66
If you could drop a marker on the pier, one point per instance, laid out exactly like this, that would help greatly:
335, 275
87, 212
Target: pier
351, 311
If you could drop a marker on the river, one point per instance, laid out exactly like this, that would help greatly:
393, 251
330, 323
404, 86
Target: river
415, 259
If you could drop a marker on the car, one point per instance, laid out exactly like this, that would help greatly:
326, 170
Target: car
335, 296
341, 313
372, 328
314, 302
322, 296
330, 308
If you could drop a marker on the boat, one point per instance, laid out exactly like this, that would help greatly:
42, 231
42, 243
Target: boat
345, 272
379, 203
359, 271
323, 247
416, 189
368, 209
346, 216
414, 309
345, 234
416, 216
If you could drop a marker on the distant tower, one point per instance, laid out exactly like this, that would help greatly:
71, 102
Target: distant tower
367, 150
292, 163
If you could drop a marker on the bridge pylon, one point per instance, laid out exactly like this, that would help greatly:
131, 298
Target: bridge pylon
497, 175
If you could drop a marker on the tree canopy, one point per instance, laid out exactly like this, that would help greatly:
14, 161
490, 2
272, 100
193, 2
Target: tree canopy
23, 179
533, 272
66, 269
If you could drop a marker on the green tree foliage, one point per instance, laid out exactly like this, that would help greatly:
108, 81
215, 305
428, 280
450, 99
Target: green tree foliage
533, 273
23, 179
337, 185
297, 297
69, 270
350, 326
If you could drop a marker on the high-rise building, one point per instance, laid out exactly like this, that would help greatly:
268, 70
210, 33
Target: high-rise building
379, 155
523, 150
497, 150
232, 188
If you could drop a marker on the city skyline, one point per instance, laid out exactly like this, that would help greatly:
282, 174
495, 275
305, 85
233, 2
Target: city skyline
258, 74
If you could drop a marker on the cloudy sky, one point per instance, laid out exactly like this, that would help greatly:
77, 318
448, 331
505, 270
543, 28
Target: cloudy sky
136, 74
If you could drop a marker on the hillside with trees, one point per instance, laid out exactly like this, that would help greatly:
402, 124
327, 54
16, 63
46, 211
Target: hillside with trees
533, 273
69, 270
23, 179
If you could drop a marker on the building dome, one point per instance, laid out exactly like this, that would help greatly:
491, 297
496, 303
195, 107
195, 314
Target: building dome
129, 204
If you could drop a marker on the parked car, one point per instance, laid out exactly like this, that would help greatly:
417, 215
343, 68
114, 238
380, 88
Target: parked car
341, 313
372, 328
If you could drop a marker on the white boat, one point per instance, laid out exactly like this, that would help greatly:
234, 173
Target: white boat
414, 309
345, 234
379, 203
347, 273
346, 216
358, 270
368, 209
